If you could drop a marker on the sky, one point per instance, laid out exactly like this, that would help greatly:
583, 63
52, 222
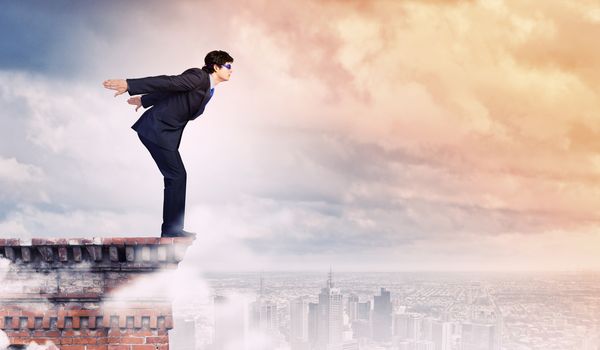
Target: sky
361, 135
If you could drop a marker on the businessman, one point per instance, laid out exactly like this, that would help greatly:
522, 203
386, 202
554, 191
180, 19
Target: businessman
172, 101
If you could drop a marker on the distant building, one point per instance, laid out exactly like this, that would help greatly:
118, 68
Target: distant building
326, 319
400, 329
415, 345
441, 335
350, 345
479, 337
264, 316
382, 316
352, 308
364, 311
183, 335
424, 345
361, 329
408, 326
299, 324
313, 323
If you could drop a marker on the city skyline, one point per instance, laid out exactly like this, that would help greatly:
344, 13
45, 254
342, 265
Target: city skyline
370, 135
430, 312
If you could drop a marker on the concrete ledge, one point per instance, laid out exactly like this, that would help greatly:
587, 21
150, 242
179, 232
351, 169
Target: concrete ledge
134, 253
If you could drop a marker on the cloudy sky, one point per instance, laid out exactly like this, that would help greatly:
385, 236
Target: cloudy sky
365, 135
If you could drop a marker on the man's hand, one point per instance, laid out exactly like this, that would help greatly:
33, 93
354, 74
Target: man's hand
120, 85
136, 101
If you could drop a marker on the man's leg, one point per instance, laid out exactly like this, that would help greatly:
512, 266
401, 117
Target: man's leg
171, 167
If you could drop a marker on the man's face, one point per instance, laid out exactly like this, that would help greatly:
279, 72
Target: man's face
223, 72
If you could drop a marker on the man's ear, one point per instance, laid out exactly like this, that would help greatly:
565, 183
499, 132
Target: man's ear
216, 67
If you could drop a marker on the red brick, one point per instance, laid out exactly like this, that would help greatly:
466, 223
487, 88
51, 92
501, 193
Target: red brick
15, 321
137, 321
97, 347
18, 333
122, 320
114, 332
74, 347
85, 340
55, 334
153, 321
119, 347
76, 323
92, 322
19, 340
143, 347
132, 340
168, 322
146, 333
153, 340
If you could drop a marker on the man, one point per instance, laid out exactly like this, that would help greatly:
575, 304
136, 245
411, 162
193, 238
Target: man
174, 100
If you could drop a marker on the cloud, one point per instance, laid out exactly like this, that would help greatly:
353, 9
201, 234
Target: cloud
12, 285
4, 341
346, 127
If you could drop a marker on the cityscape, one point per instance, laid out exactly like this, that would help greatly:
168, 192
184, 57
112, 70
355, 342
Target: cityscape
400, 311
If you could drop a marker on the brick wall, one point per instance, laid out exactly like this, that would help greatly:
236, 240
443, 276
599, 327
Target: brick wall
59, 290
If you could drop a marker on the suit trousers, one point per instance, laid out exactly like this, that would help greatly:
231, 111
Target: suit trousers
171, 167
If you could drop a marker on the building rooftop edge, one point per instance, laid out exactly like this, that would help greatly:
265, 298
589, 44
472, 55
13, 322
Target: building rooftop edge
105, 241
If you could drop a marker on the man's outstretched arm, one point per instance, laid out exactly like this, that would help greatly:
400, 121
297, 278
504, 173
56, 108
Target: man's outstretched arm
147, 100
188, 80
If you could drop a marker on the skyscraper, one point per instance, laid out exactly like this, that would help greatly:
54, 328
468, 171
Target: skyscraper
414, 326
401, 325
361, 320
264, 313
352, 308
408, 326
364, 311
299, 323
441, 335
382, 316
313, 323
326, 318
330, 316
264, 316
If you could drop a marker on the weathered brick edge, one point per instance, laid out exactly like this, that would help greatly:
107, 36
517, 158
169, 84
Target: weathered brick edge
75, 317
103, 253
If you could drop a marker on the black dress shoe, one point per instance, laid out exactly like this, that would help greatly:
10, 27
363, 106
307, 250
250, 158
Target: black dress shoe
181, 233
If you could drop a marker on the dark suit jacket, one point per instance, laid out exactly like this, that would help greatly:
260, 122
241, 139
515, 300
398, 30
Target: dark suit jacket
175, 100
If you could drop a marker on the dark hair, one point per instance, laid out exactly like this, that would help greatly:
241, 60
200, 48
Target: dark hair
215, 57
